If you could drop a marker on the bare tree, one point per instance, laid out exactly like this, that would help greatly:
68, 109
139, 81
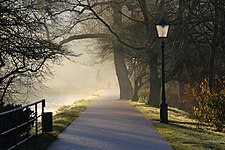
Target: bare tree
198, 40
193, 30
25, 53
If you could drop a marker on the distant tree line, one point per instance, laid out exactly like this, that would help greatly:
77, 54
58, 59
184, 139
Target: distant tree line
195, 49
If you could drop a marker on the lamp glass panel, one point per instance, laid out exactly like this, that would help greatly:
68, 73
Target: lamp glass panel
162, 30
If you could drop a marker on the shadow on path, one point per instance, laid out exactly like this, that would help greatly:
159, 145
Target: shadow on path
110, 124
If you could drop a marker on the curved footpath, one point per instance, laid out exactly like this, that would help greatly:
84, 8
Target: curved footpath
110, 124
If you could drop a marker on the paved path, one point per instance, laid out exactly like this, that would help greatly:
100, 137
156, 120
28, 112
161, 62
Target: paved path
110, 124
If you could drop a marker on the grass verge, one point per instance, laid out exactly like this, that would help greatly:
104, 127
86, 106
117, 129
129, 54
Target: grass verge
182, 132
62, 119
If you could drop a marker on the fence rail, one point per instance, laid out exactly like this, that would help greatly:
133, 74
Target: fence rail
18, 126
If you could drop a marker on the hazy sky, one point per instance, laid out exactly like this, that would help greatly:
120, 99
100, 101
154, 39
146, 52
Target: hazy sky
73, 81
77, 76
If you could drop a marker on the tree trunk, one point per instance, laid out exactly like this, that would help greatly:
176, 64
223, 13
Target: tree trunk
135, 93
214, 46
154, 84
154, 94
180, 96
122, 74
119, 58
211, 67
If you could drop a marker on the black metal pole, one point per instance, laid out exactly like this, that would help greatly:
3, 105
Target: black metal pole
163, 105
1, 132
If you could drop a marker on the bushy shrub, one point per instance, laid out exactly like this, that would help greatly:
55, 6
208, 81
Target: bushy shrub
188, 101
211, 104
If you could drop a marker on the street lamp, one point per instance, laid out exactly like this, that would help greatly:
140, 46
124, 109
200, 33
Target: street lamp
162, 29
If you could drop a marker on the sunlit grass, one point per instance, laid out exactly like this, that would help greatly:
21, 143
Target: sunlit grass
62, 119
183, 132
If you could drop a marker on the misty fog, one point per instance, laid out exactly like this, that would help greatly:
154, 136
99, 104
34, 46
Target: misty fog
77, 80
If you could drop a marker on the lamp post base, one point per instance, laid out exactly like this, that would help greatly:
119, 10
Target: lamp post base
164, 112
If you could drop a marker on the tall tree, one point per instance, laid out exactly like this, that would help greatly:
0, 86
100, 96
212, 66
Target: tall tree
119, 58
24, 53
115, 22
200, 39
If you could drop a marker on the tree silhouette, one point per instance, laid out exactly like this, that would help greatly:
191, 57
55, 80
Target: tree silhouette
25, 53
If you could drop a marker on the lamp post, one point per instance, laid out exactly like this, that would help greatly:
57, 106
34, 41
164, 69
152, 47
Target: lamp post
162, 29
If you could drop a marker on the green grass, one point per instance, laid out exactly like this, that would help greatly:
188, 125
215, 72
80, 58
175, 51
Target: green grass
182, 132
62, 119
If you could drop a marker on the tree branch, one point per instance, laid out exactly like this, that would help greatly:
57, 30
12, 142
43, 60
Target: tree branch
111, 30
83, 36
